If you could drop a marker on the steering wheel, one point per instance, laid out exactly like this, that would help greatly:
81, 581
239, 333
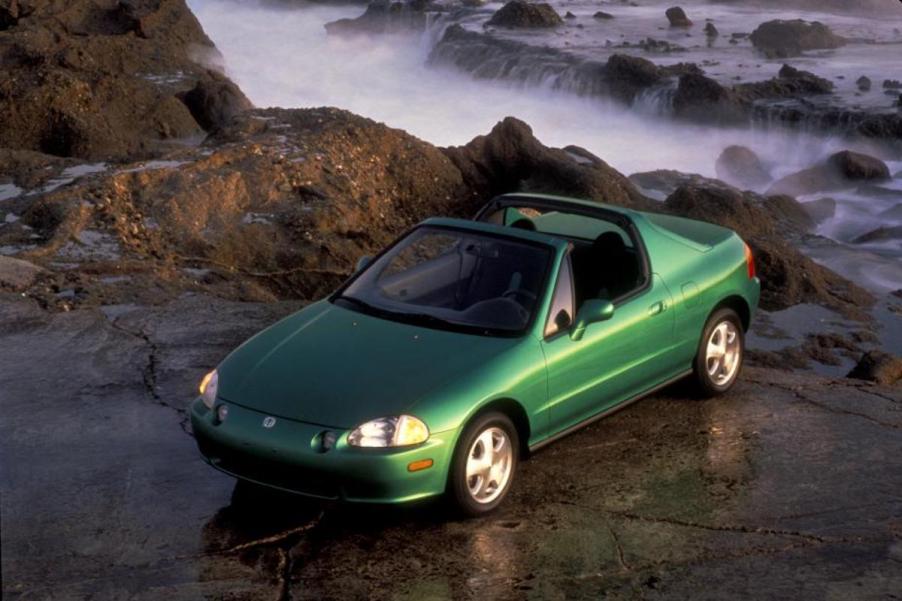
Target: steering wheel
511, 294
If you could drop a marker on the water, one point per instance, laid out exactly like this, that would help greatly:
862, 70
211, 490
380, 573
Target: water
284, 58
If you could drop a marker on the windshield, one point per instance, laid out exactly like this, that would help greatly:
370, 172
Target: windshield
446, 277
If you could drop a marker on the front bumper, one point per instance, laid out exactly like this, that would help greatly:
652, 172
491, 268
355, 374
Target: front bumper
289, 456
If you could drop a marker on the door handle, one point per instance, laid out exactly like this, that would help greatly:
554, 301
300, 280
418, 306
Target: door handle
658, 307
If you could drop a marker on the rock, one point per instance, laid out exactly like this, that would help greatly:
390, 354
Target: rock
788, 211
881, 234
781, 39
677, 17
839, 171
661, 183
859, 167
628, 75
522, 14
878, 366
9, 14
511, 159
741, 166
569, 15
787, 276
700, 98
789, 83
83, 78
864, 83
382, 16
17, 274
602, 15
820, 210
892, 84
215, 100
711, 30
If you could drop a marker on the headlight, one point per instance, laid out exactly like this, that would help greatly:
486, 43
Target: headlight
208, 388
401, 431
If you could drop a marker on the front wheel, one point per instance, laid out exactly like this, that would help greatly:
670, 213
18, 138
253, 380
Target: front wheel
720, 353
485, 462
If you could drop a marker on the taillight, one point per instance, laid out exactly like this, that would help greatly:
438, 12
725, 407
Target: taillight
749, 261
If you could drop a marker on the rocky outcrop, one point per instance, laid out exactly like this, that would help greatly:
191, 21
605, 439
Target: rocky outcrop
879, 367
741, 166
787, 276
98, 80
511, 159
276, 204
840, 170
214, 101
383, 16
522, 14
676, 16
628, 75
700, 98
789, 83
781, 39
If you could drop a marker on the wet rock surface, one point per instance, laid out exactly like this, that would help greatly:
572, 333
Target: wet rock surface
759, 491
780, 39
519, 13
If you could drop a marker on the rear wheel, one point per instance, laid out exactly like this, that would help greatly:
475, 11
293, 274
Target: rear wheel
485, 463
720, 353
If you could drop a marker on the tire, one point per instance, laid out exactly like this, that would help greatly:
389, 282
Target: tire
715, 375
481, 493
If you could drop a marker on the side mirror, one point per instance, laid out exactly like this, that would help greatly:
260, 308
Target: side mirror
362, 262
592, 311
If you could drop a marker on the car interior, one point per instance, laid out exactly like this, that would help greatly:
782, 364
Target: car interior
605, 261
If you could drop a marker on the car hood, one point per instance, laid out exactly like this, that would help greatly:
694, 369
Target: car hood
336, 367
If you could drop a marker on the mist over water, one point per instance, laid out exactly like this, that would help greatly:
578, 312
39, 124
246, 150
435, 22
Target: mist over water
283, 57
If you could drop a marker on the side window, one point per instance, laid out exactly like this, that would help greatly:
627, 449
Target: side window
561, 315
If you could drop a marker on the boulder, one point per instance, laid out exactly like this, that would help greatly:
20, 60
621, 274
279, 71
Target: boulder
840, 170
856, 166
789, 83
677, 17
382, 16
700, 98
627, 75
215, 100
511, 159
16, 274
740, 165
880, 234
602, 15
879, 367
711, 30
522, 14
781, 39
820, 210
892, 84
864, 83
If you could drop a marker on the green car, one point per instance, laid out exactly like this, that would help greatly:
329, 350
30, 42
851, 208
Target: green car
466, 345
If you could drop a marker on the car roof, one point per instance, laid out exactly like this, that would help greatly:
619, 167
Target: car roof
551, 199
502, 230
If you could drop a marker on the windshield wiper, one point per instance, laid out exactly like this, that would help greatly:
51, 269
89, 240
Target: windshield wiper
428, 318
360, 303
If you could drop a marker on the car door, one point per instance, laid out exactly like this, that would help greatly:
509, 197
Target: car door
613, 361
